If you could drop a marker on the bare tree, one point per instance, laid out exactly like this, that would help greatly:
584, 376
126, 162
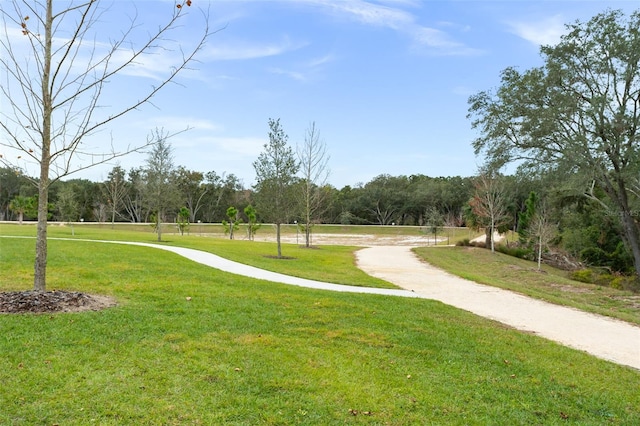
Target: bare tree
313, 160
55, 71
541, 232
21, 205
489, 205
115, 190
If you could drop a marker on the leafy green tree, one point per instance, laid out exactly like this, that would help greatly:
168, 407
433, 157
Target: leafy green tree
525, 218
68, 206
87, 195
22, 205
385, 198
182, 220
252, 221
593, 236
12, 184
434, 222
134, 205
221, 191
578, 114
160, 194
192, 189
447, 194
233, 223
276, 168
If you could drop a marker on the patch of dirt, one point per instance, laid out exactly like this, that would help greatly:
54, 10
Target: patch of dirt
571, 289
633, 301
40, 302
360, 240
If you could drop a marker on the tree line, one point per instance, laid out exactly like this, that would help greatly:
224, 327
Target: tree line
544, 210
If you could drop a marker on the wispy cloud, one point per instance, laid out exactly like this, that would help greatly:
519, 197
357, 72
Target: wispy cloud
178, 123
293, 74
390, 14
242, 146
462, 91
240, 50
369, 13
544, 32
322, 60
306, 70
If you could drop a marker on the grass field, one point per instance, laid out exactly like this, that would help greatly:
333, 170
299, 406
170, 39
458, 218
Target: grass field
246, 352
327, 263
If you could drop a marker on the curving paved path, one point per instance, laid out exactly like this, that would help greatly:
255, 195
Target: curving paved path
603, 337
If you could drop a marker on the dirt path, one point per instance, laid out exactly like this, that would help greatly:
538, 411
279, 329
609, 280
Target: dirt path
603, 337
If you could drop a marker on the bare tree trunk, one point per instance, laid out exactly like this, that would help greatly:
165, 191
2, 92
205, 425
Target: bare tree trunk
632, 238
629, 225
278, 240
40, 268
539, 251
159, 227
617, 192
493, 240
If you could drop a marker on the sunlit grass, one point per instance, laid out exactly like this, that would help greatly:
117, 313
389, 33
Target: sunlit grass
335, 264
244, 352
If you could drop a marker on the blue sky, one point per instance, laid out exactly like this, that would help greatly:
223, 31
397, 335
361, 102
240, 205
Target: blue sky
386, 82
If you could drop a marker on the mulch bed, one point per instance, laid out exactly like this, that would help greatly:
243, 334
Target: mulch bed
38, 302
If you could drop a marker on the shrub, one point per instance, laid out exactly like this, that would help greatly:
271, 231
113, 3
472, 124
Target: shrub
617, 283
478, 244
464, 243
519, 252
582, 275
594, 256
619, 260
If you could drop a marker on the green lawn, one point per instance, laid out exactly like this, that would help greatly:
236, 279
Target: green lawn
246, 352
335, 264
